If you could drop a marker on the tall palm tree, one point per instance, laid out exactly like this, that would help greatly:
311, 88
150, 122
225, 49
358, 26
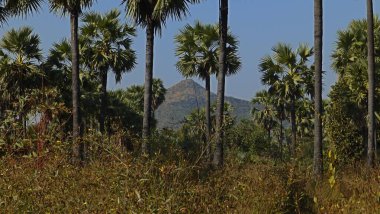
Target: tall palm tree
371, 84
283, 73
17, 7
74, 9
107, 47
152, 15
20, 56
223, 29
197, 49
318, 45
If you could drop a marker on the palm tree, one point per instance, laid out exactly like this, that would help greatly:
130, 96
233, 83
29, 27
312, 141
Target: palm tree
74, 9
197, 49
20, 58
107, 47
152, 15
17, 7
58, 69
371, 84
318, 45
223, 29
268, 115
135, 96
283, 72
351, 62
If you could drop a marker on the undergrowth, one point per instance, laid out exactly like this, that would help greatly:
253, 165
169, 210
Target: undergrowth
119, 182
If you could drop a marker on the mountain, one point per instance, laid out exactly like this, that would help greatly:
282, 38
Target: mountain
187, 95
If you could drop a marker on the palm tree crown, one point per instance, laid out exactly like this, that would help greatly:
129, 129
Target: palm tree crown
108, 43
156, 12
198, 47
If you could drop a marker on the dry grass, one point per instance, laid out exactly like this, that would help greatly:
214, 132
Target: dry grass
129, 185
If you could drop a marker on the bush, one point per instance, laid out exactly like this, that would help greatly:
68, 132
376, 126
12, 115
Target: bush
250, 141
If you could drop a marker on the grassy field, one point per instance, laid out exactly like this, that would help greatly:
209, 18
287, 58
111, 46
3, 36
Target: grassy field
116, 182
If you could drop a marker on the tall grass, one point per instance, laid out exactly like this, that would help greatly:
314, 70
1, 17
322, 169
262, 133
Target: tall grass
119, 182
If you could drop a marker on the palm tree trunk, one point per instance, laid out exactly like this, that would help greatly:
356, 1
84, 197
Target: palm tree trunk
281, 135
318, 45
223, 28
103, 105
371, 85
208, 117
148, 86
78, 146
294, 128
22, 114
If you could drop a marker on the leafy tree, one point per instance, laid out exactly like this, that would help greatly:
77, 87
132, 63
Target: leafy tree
246, 141
194, 127
74, 9
58, 69
267, 116
10, 8
20, 57
350, 61
122, 117
152, 15
283, 72
197, 49
304, 120
344, 131
135, 96
350, 57
107, 45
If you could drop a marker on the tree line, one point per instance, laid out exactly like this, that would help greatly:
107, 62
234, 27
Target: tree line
103, 44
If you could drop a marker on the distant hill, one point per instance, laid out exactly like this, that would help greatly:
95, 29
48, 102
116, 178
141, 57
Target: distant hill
187, 95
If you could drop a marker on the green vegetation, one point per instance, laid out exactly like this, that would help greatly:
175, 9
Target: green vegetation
69, 145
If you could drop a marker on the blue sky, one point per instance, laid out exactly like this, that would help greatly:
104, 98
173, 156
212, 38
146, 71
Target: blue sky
258, 24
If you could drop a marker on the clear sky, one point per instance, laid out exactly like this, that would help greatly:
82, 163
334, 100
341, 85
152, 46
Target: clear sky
258, 24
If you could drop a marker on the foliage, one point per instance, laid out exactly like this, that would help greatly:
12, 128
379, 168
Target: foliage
192, 133
134, 95
249, 142
267, 116
107, 43
198, 47
288, 78
122, 116
346, 125
157, 12
345, 128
